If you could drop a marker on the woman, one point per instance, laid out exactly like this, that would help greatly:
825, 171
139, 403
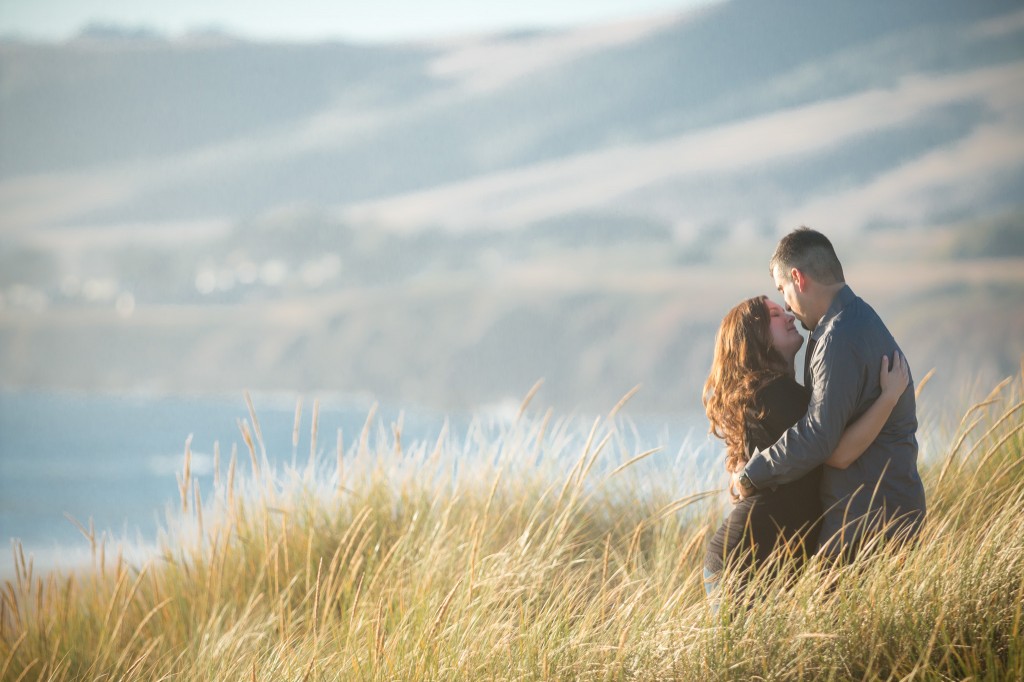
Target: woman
751, 398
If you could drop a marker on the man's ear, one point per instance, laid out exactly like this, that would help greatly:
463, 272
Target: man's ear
799, 279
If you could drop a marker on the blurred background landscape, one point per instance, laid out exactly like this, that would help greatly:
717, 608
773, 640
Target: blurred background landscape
441, 222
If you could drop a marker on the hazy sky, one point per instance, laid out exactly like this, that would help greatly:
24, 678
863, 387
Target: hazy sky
361, 20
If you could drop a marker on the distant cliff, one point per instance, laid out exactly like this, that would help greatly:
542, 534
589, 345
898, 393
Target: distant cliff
445, 223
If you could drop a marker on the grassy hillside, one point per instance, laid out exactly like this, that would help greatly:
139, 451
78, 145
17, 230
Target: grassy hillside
542, 551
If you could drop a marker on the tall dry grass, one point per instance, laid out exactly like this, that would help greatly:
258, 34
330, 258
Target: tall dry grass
496, 559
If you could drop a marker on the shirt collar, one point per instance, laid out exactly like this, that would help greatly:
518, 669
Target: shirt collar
843, 298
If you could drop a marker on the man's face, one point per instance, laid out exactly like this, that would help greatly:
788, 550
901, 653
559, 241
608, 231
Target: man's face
795, 302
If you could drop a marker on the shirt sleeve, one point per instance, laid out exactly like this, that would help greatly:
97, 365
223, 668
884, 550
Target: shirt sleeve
838, 380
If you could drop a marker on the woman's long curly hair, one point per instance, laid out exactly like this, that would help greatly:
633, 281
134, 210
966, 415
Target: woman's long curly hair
745, 360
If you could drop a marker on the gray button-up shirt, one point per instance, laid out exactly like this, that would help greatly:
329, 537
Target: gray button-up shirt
850, 340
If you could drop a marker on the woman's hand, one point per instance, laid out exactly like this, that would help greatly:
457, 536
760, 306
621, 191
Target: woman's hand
894, 381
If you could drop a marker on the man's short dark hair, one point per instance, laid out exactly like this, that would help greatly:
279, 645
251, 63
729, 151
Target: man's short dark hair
810, 252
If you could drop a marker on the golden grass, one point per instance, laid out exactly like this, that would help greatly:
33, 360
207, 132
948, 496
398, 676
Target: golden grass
493, 560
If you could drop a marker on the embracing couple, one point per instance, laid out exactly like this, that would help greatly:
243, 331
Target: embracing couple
824, 466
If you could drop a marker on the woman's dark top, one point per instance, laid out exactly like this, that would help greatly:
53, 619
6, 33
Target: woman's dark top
790, 512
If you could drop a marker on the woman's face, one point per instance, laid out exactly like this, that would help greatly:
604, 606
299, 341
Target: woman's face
785, 337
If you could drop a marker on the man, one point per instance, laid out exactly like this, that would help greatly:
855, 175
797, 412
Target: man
882, 488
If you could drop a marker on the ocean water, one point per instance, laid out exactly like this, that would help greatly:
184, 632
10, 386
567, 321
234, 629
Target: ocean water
111, 459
